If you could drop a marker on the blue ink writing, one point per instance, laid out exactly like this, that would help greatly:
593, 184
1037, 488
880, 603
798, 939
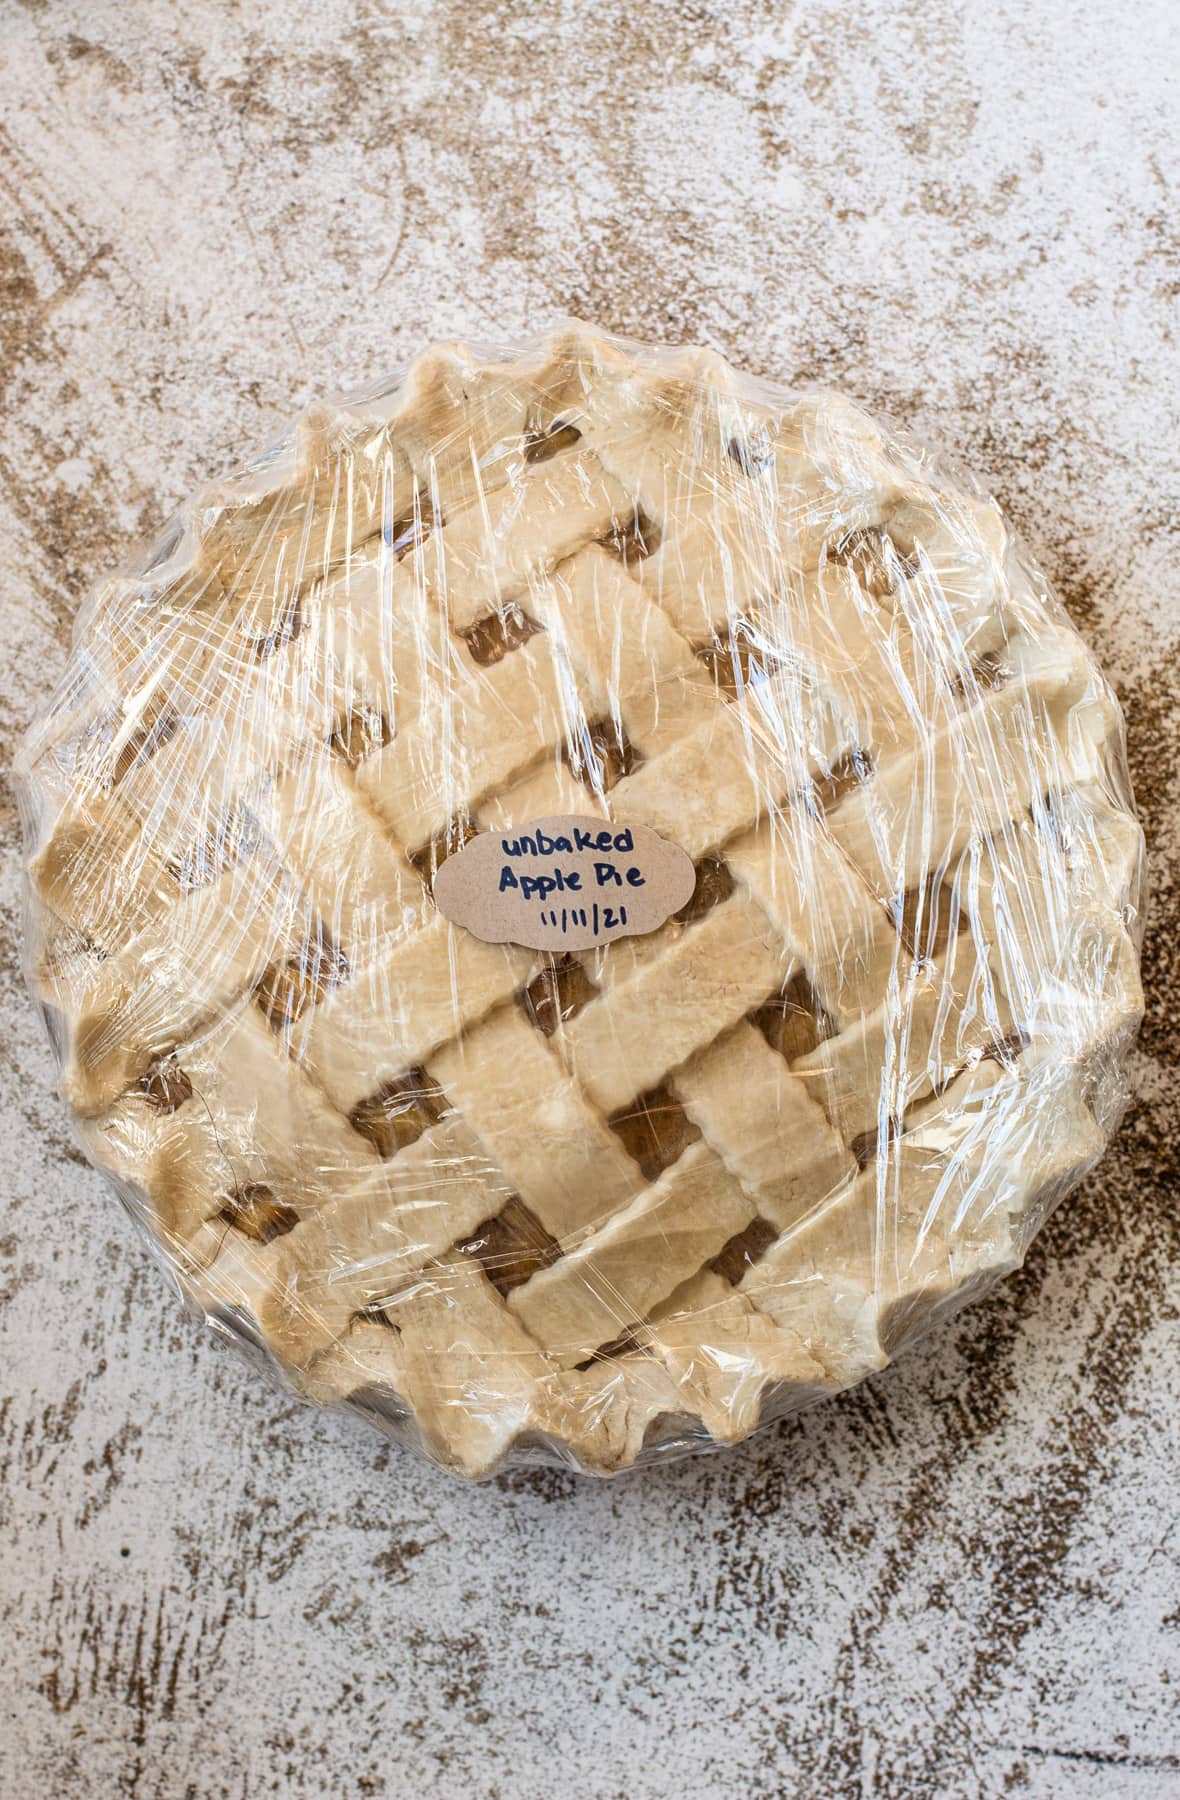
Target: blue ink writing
541, 844
605, 873
605, 918
555, 879
539, 887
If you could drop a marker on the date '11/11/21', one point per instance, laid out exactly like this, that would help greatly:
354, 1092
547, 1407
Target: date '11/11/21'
595, 918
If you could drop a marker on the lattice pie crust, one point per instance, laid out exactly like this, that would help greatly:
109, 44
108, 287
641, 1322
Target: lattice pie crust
629, 1199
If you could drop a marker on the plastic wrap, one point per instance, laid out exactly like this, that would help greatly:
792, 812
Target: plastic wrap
616, 1194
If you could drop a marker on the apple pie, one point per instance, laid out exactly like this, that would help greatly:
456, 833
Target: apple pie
604, 1204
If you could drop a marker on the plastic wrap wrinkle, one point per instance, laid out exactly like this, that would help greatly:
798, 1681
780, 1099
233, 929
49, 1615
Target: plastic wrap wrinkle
598, 1205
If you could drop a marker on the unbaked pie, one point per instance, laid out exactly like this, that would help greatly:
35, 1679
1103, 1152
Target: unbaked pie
610, 1202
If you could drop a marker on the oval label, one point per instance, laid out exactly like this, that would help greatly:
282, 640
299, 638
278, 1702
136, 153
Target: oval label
564, 883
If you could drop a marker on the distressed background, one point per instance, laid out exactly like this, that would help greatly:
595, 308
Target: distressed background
960, 1580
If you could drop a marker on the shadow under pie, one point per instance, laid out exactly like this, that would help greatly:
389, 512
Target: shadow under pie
382, 1408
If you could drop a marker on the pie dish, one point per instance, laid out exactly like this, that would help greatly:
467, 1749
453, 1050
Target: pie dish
602, 1205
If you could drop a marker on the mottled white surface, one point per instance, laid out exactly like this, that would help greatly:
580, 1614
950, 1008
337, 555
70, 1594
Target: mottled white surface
961, 1580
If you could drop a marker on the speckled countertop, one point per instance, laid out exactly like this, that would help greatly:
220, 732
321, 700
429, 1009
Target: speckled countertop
960, 1580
